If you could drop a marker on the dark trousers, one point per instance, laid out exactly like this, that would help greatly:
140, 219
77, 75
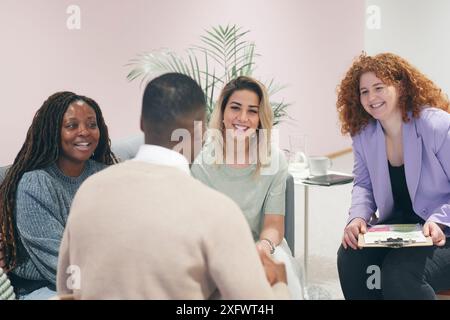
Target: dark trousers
405, 273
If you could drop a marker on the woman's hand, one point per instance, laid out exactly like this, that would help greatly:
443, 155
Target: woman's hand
263, 246
275, 271
433, 230
352, 231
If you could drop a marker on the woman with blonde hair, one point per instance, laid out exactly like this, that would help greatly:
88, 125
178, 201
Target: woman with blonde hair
239, 161
401, 143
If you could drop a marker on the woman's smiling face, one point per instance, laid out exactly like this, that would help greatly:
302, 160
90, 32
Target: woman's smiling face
79, 133
241, 113
378, 99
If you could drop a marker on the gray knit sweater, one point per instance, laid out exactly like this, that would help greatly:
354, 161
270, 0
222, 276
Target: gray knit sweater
42, 206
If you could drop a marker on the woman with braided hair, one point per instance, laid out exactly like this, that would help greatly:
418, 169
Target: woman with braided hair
67, 142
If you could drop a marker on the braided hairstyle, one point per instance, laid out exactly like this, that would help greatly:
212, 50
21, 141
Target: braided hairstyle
41, 148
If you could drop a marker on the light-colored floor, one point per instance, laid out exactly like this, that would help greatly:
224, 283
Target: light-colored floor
328, 211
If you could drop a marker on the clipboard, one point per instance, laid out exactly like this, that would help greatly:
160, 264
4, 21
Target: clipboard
394, 236
393, 243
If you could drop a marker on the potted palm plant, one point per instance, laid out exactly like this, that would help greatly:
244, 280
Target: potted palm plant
222, 55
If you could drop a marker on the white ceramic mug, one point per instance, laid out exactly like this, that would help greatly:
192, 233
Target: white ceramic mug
318, 166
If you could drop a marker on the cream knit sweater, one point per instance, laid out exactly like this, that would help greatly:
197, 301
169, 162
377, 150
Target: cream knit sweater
143, 231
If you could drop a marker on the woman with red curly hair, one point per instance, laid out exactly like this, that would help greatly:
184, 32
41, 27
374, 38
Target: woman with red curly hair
400, 127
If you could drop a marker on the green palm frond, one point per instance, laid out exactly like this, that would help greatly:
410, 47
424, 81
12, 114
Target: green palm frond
279, 111
228, 48
223, 55
273, 88
151, 64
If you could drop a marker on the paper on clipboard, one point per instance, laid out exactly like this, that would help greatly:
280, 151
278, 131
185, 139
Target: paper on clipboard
394, 236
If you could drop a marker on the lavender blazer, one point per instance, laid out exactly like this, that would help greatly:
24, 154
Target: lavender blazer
426, 152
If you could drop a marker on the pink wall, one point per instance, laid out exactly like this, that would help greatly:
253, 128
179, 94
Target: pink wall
307, 44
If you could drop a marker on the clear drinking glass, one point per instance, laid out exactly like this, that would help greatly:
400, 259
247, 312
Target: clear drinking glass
298, 161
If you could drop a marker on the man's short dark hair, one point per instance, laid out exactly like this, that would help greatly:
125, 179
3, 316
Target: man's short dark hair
169, 99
